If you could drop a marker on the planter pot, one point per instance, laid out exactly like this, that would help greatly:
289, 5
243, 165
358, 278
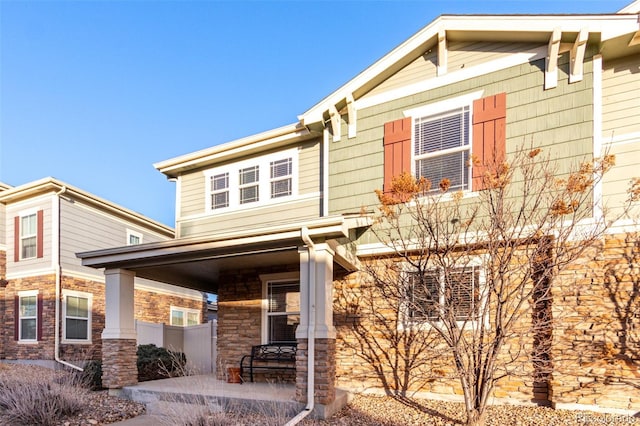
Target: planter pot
233, 375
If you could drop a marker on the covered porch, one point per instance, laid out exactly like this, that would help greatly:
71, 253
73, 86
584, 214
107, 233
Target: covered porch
273, 284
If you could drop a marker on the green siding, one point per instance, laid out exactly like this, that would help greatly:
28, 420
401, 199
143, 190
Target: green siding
194, 220
560, 120
621, 97
616, 182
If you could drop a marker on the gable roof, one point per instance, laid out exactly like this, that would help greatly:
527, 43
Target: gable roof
52, 185
506, 28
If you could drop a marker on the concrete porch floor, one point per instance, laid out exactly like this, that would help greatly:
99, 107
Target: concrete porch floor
170, 396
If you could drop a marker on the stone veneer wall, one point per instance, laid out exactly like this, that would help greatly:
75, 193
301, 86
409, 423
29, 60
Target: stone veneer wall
324, 370
149, 306
240, 319
596, 346
42, 349
595, 353
119, 366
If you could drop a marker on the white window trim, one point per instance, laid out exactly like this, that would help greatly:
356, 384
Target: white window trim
266, 280
186, 312
89, 297
264, 182
133, 233
22, 214
407, 323
21, 294
436, 108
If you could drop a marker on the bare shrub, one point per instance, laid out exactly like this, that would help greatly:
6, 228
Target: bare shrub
39, 399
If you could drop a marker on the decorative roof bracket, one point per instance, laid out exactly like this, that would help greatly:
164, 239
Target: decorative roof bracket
334, 117
551, 68
577, 56
442, 53
352, 116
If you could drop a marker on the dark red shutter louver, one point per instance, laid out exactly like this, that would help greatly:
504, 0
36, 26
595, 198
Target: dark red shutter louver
489, 136
40, 234
397, 150
16, 239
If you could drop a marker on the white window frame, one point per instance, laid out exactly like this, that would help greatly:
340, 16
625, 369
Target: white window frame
132, 233
83, 295
186, 312
23, 237
477, 262
264, 183
267, 279
19, 317
438, 109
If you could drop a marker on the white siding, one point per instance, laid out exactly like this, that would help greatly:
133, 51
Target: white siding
37, 265
85, 228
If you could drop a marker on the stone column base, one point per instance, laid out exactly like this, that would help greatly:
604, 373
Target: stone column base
325, 371
119, 363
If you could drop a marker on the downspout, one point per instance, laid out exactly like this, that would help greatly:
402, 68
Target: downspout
58, 266
311, 332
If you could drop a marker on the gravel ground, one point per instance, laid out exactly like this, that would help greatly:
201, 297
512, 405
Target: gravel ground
364, 410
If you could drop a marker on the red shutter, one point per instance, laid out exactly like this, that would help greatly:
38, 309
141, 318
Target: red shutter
39, 318
489, 137
16, 321
40, 234
397, 149
16, 239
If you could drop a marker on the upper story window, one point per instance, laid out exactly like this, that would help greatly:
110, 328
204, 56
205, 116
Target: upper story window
250, 183
28, 236
442, 148
133, 238
281, 177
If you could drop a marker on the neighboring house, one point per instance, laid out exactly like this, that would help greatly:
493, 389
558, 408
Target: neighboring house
271, 223
42, 225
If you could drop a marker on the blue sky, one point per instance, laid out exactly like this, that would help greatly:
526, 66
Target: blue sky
95, 92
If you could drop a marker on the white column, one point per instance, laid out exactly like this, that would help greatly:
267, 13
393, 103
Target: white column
302, 332
119, 318
323, 263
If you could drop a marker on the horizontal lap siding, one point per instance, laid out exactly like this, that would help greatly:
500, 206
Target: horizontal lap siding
27, 265
194, 220
84, 228
616, 181
620, 97
559, 120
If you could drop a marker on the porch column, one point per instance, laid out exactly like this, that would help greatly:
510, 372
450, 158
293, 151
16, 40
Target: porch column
316, 277
119, 336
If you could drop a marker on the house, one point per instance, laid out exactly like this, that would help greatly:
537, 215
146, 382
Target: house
272, 223
42, 225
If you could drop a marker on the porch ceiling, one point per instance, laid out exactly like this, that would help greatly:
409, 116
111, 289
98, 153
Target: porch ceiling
198, 263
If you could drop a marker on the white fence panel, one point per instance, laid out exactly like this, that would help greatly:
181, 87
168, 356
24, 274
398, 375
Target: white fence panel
198, 342
200, 347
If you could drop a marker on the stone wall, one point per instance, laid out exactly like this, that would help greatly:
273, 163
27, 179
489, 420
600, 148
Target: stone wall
149, 306
240, 319
596, 347
43, 349
594, 357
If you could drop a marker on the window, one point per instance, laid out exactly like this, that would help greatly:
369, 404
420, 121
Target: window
281, 178
77, 316
248, 183
220, 191
27, 316
436, 294
133, 238
283, 313
442, 148
184, 316
251, 183
28, 236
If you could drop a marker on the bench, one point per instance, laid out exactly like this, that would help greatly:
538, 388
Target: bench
270, 357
